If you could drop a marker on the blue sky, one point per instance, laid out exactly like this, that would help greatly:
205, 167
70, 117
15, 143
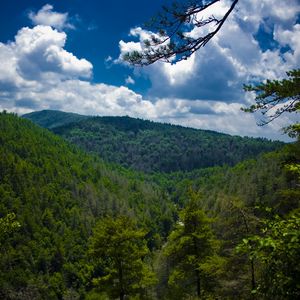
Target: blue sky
67, 55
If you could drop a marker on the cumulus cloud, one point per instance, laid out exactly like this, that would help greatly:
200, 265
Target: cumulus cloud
46, 16
235, 56
34, 63
203, 92
290, 38
38, 54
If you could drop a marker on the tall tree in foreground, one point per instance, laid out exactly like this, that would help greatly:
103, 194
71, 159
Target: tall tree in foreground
277, 247
119, 249
191, 250
275, 97
170, 41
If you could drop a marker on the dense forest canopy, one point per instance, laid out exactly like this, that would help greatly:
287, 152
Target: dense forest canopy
56, 202
143, 145
121, 208
56, 193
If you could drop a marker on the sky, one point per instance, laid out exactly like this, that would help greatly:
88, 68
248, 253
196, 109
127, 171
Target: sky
67, 55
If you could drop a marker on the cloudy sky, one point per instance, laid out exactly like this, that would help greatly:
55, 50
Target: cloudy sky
66, 55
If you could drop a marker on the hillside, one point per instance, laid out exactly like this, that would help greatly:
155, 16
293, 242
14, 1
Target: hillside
153, 147
242, 200
57, 193
53, 118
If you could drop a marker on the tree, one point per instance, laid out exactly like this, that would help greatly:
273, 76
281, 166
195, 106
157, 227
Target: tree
274, 97
191, 249
277, 247
119, 249
277, 250
8, 225
171, 43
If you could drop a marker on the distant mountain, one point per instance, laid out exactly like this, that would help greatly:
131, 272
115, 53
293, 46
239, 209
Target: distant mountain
58, 193
53, 118
152, 147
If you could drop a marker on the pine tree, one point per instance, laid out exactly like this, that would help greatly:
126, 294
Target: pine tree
119, 249
192, 251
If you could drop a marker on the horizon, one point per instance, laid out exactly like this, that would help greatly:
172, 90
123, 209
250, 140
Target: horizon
69, 57
148, 120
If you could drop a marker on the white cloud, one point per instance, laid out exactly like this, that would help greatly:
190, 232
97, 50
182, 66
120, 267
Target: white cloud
203, 92
290, 38
281, 10
38, 54
233, 57
180, 72
129, 80
269, 12
46, 16
108, 59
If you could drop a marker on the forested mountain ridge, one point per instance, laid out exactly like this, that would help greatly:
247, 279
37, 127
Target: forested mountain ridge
72, 209
154, 147
57, 193
53, 118
257, 197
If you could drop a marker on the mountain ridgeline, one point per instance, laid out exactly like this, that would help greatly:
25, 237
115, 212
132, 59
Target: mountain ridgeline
73, 226
151, 147
53, 118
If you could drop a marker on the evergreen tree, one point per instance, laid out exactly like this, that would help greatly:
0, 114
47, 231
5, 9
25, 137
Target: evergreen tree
169, 42
119, 250
274, 97
277, 246
191, 249
8, 225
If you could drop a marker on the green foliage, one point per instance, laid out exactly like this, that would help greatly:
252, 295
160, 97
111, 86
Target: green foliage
53, 118
254, 182
192, 252
276, 97
119, 250
142, 145
231, 196
277, 252
8, 225
58, 193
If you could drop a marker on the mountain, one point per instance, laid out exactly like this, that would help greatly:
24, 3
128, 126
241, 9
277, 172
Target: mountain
53, 118
58, 193
152, 147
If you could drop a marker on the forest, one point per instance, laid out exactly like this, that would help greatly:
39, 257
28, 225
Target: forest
105, 208
141, 144
75, 226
